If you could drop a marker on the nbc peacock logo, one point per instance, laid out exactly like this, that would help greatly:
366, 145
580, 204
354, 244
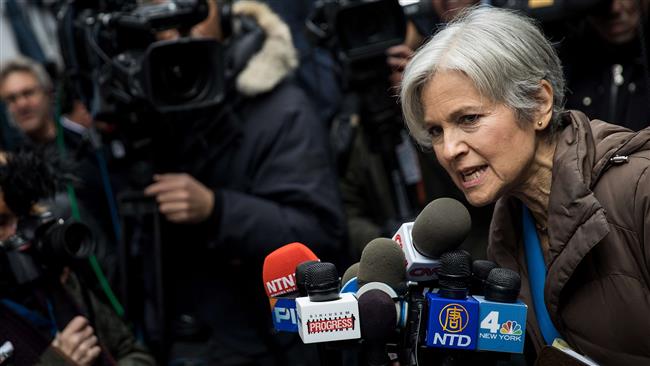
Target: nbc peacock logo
510, 327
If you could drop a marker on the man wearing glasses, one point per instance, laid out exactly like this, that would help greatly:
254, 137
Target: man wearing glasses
26, 89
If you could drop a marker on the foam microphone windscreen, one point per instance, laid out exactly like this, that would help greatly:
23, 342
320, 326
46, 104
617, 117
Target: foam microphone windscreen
350, 273
377, 315
480, 270
301, 276
502, 285
322, 282
279, 268
382, 260
441, 226
455, 269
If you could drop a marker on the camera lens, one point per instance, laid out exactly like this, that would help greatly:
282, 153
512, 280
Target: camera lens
70, 240
182, 79
180, 74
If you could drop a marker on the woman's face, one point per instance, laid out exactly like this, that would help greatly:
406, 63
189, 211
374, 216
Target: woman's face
481, 144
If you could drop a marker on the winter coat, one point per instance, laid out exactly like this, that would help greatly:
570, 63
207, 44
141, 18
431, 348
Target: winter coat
597, 289
266, 158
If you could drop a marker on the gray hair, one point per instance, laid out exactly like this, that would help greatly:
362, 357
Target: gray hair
503, 53
23, 64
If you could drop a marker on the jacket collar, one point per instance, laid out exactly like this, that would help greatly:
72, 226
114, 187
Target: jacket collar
277, 57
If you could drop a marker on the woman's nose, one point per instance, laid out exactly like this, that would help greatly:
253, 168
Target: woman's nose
453, 145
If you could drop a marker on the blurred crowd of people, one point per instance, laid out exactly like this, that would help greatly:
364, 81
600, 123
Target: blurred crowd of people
285, 157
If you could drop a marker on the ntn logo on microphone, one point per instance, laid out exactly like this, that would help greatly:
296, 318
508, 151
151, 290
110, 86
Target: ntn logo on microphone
328, 320
282, 285
418, 267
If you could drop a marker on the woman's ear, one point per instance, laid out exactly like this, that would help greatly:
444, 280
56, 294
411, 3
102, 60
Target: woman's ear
545, 97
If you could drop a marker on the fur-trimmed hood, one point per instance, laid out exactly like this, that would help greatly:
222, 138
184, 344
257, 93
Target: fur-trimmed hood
277, 57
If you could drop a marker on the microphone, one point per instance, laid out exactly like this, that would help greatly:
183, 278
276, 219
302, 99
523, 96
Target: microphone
382, 260
453, 316
502, 317
400, 306
378, 319
480, 270
301, 271
280, 283
349, 282
279, 268
441, 226
325, 315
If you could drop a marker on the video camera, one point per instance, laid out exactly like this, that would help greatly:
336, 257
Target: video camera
359, 30
123, 72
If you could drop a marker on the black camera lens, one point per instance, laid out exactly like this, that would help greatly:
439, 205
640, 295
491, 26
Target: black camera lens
184, 74
68, 241
182, 79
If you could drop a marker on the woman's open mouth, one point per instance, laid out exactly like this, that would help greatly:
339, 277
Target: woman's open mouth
473, 176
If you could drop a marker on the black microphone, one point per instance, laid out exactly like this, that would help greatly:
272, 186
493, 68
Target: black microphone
480, 270
325, 315
502, 318
452, 314
301, 277
454, 274
378, 319
502, 285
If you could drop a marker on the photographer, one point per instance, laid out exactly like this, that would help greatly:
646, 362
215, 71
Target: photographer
46, 311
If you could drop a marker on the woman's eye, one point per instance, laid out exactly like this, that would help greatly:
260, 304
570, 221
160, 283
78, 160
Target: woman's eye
469, 118
434, 131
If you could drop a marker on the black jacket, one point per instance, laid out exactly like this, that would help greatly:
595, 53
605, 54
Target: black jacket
266, 158
607, 81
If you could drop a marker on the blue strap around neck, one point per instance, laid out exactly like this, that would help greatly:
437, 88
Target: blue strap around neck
537, 277
35, 318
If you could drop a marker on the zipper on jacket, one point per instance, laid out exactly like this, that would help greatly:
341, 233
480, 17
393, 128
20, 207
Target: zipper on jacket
619, 159
617, 81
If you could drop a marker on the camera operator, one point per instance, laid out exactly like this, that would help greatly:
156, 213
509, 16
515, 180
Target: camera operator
47, 312
262, 178
371, 198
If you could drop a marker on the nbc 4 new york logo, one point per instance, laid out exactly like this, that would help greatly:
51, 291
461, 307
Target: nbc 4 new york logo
509, 330
511, 327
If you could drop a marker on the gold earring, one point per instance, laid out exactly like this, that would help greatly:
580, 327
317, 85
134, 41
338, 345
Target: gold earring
539, 123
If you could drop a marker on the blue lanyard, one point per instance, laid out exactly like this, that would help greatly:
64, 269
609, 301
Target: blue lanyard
537, 277
34, 317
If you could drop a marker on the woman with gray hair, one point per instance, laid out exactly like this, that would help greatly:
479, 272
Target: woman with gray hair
572, 212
